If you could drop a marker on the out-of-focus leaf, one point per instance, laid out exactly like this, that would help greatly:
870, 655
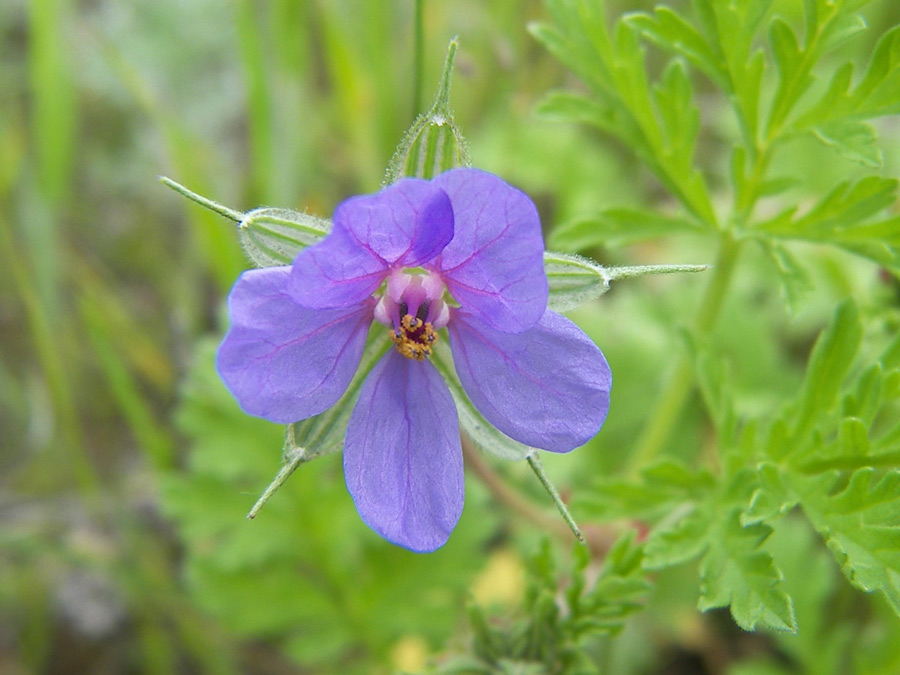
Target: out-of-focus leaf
852, 139
619, 227
830, 361
795, 282
673, 32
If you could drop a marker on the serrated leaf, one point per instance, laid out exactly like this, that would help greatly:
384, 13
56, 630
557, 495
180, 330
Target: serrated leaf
773, 498
786, 52
736, 573
864, 402
273, 237
613, 67
678, 542
853, 438
853, 139
860, 526
664, 488
620, 590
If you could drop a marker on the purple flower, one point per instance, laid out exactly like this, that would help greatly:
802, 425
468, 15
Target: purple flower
462, 252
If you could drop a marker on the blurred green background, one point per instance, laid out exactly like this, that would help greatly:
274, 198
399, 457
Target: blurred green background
126, 469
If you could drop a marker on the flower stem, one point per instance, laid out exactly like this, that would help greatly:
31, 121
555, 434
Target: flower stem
236, 216
535, 463
681, 383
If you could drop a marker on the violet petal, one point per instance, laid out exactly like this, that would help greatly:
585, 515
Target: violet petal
402, 454
494, 266
547, 387
282, 361
404, 225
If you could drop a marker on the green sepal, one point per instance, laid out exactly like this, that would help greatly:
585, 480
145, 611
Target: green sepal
273, 237
433, 144
575, 280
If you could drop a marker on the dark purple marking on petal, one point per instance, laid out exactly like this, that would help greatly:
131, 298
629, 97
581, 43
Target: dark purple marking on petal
284, 362
494, 266
402, 454
547, 387
405, 224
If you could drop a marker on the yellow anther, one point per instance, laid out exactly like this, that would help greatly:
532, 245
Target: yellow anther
414, 337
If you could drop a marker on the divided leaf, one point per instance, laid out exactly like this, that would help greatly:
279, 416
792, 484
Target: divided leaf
735, 572
861, 525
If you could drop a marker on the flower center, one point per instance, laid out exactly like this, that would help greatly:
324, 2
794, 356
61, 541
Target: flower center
414, 309
414, 337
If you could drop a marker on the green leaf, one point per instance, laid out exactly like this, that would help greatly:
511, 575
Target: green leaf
273, 237
563, 106
773, 497
658, 126
679, 120
840, 219
793, 68
620, 590
829, 363
664, 489
878, 93
672, 32
860, 526
735, 572
795, 282
852, 139
619, 227
679, 542
433, 144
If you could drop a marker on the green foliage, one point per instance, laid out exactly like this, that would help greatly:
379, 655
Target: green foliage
822, 455
557, 630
